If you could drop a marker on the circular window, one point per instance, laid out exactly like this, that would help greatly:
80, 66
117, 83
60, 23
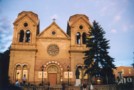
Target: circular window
25, 24
53, 32
53, 49
81, 27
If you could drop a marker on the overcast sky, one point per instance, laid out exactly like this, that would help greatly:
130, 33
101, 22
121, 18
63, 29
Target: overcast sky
115, 16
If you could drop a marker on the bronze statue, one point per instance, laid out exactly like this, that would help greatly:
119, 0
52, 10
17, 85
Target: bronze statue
77, 73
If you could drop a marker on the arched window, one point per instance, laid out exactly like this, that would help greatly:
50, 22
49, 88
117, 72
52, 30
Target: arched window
84, 38
28, 36
21, 38
25, 72
18, 72
78, 38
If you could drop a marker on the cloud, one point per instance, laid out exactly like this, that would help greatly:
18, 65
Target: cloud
119, 15
5, 34
113, 31
125, 1
127, 27
117, 18
0, 10
132, 26
103, 11
106, 7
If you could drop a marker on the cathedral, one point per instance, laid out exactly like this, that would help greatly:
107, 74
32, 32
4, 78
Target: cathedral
48, 56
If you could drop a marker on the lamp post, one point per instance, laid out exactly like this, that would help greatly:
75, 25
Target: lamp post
42, 68
68, 69
82, 71
106, 78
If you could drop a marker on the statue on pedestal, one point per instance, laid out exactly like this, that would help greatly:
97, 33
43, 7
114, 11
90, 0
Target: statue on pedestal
77, 73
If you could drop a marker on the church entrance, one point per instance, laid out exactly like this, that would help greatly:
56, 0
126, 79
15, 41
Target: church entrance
52, 78
53, 74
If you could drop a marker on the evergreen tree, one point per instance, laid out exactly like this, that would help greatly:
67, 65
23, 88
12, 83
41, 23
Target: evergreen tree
97, 59
4, 65
133, 62
0, 70
133, 65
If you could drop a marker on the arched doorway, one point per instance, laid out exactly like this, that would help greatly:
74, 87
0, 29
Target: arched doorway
18, 72
25, 72
53, 74
21, 71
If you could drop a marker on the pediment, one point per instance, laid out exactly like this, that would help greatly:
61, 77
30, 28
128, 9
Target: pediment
53, 31
24, 17
80, 20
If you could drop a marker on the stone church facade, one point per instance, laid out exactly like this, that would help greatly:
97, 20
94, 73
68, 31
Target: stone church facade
48, 56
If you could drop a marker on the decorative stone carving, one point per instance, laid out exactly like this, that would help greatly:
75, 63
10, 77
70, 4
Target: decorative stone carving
53, 50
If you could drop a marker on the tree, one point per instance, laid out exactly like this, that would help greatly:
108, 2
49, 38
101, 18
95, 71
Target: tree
133, 65
97, 59
133, 62
4, 65
0, 70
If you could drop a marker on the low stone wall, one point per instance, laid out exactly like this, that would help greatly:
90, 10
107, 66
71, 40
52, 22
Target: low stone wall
104, 87
50, 88
95, 87
73, 88
35, 88
128, 86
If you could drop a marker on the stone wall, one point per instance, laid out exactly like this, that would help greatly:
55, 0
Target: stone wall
104, 87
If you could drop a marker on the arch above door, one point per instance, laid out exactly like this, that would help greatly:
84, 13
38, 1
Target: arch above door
55, 72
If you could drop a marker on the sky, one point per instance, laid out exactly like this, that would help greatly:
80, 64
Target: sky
116, 17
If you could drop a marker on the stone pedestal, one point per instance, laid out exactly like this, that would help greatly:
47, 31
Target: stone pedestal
91, 87
78, 82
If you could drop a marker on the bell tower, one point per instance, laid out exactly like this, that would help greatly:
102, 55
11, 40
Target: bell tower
78, 28
26, 28
23, 48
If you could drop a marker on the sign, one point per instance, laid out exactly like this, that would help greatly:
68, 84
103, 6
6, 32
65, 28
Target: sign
68, 74
40, 74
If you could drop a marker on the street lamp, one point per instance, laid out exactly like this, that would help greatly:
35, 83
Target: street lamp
68, 69
42, 68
